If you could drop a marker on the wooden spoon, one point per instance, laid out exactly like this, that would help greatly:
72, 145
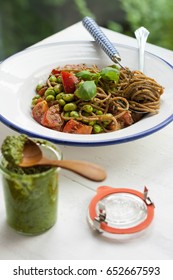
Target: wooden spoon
32, 156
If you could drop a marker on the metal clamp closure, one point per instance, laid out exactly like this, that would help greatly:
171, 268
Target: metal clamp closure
100, 218
147, 199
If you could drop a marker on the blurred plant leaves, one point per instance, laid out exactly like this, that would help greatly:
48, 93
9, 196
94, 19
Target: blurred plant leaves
156, 16
25, 22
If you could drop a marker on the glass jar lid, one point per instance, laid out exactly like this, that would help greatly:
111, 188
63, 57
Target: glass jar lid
120, 210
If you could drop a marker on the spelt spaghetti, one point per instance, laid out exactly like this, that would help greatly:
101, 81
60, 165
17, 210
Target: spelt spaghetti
82, 99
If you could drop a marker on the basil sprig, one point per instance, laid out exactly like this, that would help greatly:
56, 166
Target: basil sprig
87, 88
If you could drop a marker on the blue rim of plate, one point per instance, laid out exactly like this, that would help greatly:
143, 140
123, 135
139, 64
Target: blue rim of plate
120, 140
86, 143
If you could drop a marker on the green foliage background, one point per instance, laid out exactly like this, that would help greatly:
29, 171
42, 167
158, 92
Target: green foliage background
25, 22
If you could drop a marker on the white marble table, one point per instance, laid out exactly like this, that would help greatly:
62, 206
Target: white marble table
148, 161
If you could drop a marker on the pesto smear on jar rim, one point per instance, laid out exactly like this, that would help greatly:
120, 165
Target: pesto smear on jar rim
12, 151
12, 148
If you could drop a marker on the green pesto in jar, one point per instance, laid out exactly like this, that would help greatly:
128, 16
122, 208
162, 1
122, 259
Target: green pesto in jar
30, 193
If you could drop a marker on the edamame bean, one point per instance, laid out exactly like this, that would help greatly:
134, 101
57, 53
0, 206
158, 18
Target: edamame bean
50, 91
50, 98
88, 108
59, 79
85, 121
106, 123
61, 102
60, 95
85, 114
68, 97
70, 107
109, 115
38, 87
58, 88
92, 123
99, 112
97, 128
52, 78
36, 96
34, 101
67, 114
106, 118
74, 114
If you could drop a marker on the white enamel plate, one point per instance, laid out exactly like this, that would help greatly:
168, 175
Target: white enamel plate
20, 74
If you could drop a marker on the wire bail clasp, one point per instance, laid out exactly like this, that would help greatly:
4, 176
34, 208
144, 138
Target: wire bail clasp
101, 217
147, 199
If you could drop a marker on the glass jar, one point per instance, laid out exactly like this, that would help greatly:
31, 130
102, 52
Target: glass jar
31, 199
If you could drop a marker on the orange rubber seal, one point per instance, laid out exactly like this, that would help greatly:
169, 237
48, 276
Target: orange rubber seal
104, 191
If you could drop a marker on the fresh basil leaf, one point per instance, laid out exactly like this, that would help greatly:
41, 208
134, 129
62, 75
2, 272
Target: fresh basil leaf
86, 90
110, 73
87, 75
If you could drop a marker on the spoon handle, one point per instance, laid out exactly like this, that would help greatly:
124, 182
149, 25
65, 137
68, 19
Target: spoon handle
141, 36
86, 169
101, 39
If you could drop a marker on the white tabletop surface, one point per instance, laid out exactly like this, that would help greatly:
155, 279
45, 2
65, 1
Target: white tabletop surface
148, 161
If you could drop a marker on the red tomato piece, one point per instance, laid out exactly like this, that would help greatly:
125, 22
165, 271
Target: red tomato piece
52, 118
55, 72
137, 116
127, 119
76, 127
39, 110
40, 99
69, 81
42, 91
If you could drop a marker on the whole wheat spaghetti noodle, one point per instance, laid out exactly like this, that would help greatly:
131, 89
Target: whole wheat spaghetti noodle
143, 93
82, 99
